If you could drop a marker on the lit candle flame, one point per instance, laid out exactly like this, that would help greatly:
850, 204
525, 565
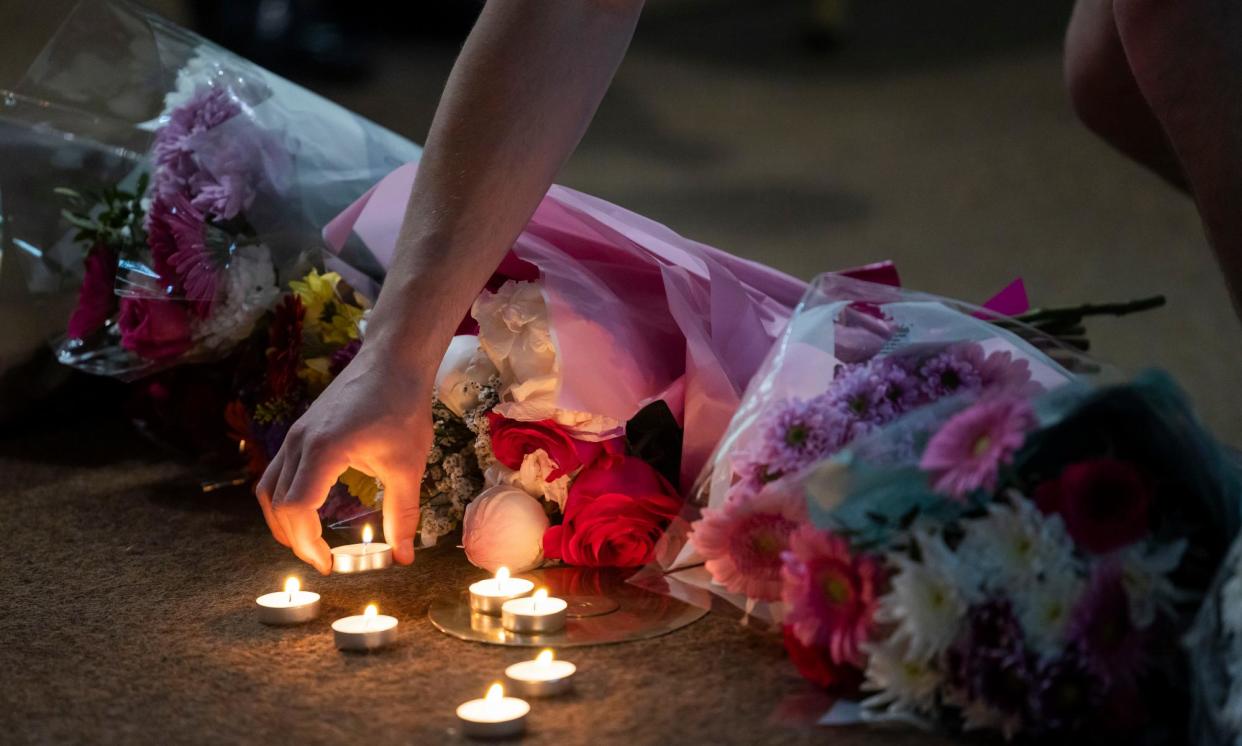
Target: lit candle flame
544, 658
502, 574
371, 612
540, 595
367, 534
495, 693
292, 586
241, 446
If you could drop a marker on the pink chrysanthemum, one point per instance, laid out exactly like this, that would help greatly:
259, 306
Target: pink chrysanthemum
743, 540
968, 450
177, 235
830, 593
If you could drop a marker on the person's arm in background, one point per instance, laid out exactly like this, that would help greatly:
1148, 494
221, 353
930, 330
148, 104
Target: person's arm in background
519, 99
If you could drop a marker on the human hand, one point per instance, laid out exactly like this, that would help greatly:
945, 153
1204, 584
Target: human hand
375, 417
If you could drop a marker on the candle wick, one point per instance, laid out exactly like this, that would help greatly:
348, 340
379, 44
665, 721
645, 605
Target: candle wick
290, 598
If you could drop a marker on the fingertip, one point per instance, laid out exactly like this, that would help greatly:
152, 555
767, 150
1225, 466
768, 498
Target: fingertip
403, 552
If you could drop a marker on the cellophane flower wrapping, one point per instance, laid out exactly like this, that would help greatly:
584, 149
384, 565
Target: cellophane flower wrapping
854, 357
180, 187
1214, 645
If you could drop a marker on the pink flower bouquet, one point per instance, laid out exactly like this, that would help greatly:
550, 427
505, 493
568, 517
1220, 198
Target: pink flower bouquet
200, 187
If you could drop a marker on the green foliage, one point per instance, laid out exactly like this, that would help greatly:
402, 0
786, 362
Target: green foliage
110, 216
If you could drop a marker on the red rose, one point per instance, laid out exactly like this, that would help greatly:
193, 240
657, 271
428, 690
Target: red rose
513, 440
96, 297
816, 666
154, 329
616, 510
1104, 503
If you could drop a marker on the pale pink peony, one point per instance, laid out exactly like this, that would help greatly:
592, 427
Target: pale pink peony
742, 541
830, 593
504, 526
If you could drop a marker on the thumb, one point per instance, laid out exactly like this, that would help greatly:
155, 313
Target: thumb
402, 485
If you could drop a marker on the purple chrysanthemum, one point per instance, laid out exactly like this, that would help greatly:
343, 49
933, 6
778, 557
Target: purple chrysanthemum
218, 183
966, 453
1066, 694
793, 435
950, 372
343, 357
1103, 628
990, 663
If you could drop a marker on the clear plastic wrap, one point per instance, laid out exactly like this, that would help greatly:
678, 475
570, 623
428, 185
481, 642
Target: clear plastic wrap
198, 181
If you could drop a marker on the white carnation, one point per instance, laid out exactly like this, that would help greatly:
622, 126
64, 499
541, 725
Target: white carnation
246, 291
532, 478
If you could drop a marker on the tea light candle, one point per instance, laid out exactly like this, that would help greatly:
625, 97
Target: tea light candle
534, 614
542, 677
293, 606
494, 716
487, 596
368, 631
362, 557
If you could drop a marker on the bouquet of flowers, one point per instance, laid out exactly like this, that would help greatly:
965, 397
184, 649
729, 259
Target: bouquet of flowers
200, 190
958, 532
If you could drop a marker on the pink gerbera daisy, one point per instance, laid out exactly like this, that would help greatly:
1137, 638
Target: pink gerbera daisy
968, 450
743, 540
830, 593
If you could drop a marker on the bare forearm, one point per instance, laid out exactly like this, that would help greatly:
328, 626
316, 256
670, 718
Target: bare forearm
518, 101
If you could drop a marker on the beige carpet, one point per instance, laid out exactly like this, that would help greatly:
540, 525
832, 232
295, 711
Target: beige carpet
127, 617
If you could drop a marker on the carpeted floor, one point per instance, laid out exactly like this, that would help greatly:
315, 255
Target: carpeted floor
127, 617
940, 136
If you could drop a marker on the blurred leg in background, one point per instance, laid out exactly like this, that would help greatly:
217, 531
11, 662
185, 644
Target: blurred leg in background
1105, 94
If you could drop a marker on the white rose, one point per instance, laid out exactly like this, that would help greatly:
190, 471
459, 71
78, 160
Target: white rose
532, 478
504, 526
463, 372
515, 335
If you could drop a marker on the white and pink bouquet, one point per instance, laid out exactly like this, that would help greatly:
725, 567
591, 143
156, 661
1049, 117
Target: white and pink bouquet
193, 184
951, 530
609, 354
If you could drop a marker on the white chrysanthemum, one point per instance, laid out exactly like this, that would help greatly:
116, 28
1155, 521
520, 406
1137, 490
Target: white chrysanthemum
247, 290
1044, 605
1014, 544
903, 684
924, 602
1145, 571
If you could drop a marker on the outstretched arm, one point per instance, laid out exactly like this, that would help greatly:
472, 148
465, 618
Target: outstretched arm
520, 97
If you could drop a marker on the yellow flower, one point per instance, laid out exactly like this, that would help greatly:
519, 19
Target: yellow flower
317, 372
362, 486
315, 291
342, 328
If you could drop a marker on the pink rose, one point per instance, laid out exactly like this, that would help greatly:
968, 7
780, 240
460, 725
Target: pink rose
154, 329
96, 298
616, 510
513, 440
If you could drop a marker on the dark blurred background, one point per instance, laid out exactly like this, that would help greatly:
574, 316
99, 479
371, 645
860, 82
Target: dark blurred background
812, 136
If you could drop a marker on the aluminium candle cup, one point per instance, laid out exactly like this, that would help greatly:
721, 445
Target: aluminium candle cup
489, 596
535, 679
519, 615
502, 719
360, 633
276, 608
353, 558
